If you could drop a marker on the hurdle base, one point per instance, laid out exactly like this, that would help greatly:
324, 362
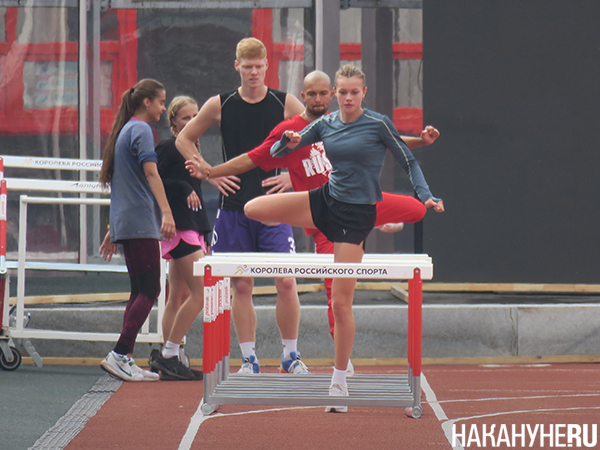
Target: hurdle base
313, 390
221, 387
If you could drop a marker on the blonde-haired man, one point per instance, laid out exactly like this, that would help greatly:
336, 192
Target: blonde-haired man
247, 115
250, 48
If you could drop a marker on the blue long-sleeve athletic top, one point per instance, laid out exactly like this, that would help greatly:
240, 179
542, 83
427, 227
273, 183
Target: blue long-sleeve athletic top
356, 151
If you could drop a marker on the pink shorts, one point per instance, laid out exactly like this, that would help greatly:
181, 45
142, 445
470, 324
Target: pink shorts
190, 237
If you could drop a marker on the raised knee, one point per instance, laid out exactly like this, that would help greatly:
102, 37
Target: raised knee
250, 209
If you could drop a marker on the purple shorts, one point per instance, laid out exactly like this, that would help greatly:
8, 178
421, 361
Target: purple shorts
234, 232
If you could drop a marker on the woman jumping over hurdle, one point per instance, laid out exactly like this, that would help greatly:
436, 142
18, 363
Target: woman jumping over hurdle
139, 215
343, 209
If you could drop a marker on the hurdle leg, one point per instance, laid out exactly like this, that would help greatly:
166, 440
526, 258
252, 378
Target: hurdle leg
219, 299
208, 352
4, 292
22, 249
226, 331
409, 333
415, 335
4, 304
31, 351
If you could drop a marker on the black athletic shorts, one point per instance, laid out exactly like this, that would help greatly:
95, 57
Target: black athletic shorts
184, 249
339, 221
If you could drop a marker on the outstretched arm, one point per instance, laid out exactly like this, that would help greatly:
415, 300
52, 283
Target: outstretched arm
437, 205
258, 157
291, 140
428, 137
239, 164
403, 155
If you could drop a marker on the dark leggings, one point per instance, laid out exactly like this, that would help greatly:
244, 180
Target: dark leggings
142, 257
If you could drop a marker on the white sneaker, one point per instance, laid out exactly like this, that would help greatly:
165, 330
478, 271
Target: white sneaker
337, 390
250, 365
293, 365
391, 227
146, 374
350, 370
119, 367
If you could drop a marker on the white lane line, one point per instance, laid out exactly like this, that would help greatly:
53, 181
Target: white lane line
438, 410
492, 399
192, 429
199, 418
447, 425
432, 399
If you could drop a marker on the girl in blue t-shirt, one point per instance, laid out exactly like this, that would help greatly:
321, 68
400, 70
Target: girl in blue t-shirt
139, 215
343, 209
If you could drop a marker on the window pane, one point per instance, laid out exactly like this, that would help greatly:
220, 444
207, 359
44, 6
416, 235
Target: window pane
408, 27
49, 84
2, 24
36, 25
106, 98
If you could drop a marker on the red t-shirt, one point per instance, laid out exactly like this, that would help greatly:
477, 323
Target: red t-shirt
309, 168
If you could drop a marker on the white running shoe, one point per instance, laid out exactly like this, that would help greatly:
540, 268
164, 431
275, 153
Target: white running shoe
250, 365
391, 227
119, 367
293, 365
337, 390
146, 374
350, 370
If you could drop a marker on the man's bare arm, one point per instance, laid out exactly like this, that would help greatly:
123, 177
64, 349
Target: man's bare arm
293, 107
239, 164
208, 114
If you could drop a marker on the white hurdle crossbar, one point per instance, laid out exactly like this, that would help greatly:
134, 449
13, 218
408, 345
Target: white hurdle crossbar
221, 387
62, 186
19, 331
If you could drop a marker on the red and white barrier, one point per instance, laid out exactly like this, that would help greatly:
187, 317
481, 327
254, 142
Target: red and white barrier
221, 387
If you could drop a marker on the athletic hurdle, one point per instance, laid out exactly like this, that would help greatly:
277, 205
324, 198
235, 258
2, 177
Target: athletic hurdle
222, 387
10, 357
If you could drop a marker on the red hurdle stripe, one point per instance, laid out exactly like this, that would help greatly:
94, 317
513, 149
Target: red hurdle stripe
415, 305
208, 356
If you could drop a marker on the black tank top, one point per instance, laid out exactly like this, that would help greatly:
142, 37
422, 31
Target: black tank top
245, 126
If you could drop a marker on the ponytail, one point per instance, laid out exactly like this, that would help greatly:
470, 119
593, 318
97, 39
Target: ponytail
131, 100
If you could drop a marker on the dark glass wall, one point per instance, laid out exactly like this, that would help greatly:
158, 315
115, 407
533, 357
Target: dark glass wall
513, 87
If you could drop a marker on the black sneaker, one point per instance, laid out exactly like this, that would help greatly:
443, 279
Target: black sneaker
198, 376
153, 354
172, 367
